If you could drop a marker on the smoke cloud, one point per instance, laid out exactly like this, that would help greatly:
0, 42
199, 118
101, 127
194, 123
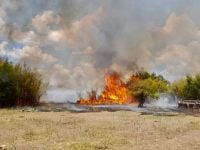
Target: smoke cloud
73, 43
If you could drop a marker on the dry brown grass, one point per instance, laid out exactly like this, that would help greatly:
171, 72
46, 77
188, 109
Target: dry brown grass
97, 131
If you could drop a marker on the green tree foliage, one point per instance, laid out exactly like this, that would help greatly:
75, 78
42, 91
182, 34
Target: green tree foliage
188, 88
147, 85
19, 85
146, 75
178, 88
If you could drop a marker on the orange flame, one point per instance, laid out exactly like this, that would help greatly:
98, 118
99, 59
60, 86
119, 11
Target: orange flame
115, 92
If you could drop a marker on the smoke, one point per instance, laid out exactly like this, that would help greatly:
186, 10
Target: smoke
164, 101
61, 95
72, 43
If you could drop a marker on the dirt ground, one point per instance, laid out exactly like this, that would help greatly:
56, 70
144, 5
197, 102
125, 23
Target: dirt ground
121, 130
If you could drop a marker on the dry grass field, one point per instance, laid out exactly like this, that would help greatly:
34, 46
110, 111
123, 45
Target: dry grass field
98, 131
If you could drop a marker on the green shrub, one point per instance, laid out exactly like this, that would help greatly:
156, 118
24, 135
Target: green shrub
188, 88
144, 84
19, 85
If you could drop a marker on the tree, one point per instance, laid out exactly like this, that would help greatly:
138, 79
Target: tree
188, 88
149, 87
143, 85
19, 85
8, 81
178, 88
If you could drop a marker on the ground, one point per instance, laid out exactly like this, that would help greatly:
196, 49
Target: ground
121, 130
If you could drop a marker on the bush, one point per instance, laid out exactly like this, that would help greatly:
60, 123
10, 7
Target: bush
19, 85
188, 88
144, 84
178, 88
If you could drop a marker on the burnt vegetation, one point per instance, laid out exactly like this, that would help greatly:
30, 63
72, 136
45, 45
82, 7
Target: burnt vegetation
19, 85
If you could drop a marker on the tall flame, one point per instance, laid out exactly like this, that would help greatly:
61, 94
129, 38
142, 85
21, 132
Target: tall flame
115, 92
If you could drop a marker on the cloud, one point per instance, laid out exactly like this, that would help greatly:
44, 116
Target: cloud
42, 23
8, 53
179, 60
79, 31
2, 16
175, 47
35, 56
177, 29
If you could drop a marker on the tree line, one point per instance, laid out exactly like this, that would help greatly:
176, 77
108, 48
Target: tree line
144, 84
21, 85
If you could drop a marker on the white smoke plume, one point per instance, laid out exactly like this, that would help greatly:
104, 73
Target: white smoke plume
73, 43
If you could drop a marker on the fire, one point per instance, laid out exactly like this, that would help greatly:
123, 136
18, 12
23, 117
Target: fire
115, 92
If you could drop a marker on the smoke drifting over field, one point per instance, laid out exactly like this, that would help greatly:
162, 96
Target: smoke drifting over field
73, 42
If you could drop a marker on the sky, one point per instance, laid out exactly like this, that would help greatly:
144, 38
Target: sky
73, 43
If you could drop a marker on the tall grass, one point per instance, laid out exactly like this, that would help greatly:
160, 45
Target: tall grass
19, 85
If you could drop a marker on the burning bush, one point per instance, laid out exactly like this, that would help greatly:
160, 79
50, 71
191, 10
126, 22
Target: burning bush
140, 86
20, 85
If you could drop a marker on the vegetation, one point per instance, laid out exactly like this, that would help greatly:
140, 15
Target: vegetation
120, 130
146, 75
144, 84
20, 85
188, 88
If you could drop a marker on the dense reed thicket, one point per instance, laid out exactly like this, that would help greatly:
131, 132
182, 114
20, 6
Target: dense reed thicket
19, 85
